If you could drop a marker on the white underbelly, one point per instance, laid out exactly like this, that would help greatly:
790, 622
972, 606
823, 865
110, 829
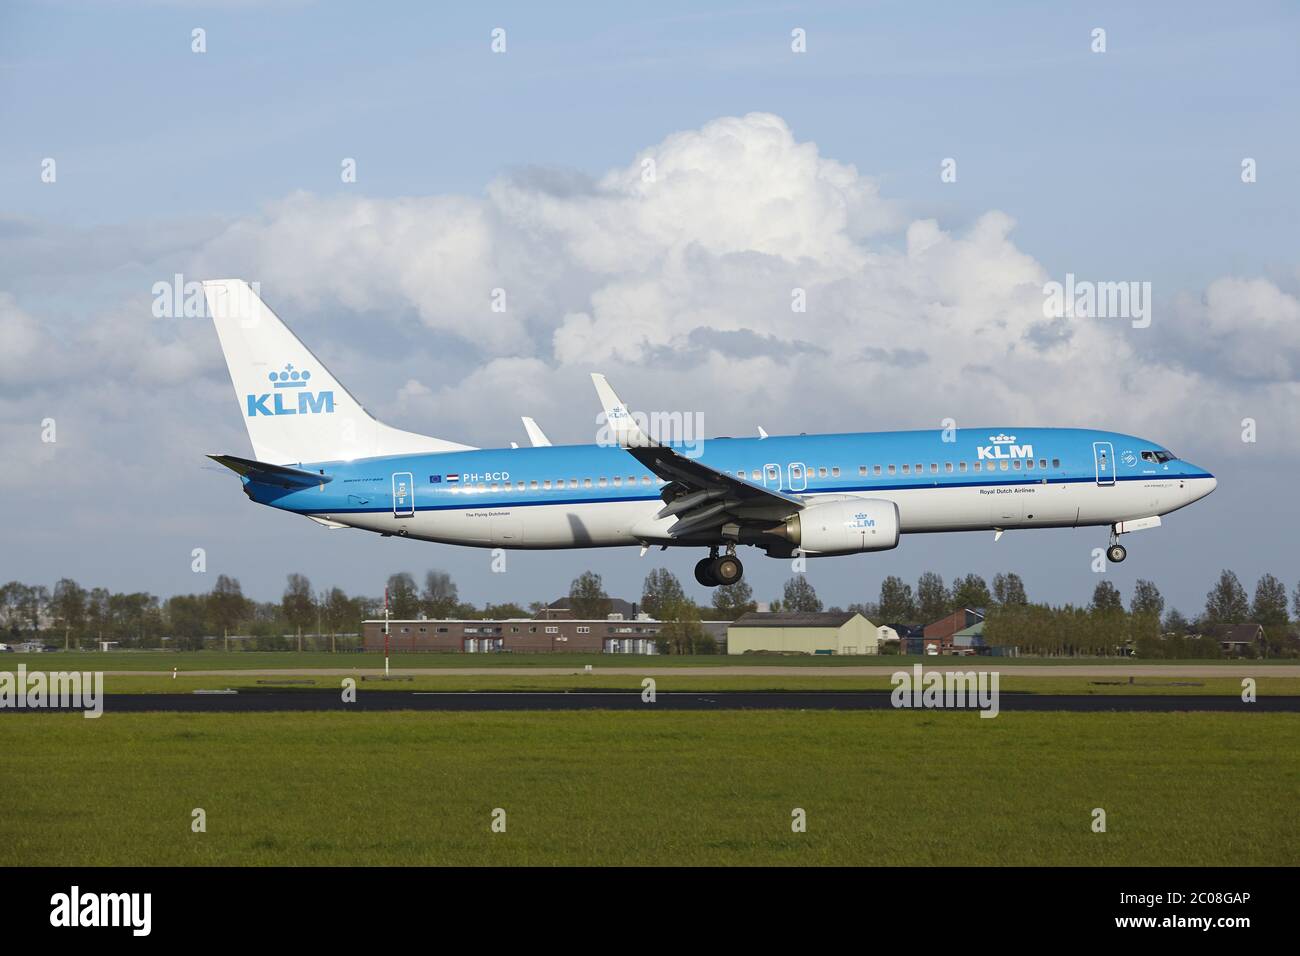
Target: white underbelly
622, 523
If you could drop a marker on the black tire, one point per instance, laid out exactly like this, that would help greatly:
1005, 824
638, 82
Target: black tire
727, 570
1116, 553
704, 573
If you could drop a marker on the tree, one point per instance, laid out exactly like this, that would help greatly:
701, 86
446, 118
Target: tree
298, 605
187, 620
68, 605
970, 591
403, 599
440, 596
1105, 597
931, 597
732, 600
1175, 623
1226, 603
800, 596
341, 614
1147, 600
682, 632
587, 597
1269, 607
897, 606
1008, 589
227, 606
661, 592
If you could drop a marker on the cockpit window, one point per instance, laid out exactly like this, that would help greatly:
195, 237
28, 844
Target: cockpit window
1159, 457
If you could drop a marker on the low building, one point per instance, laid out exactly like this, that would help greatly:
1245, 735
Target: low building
1242, 640
910, 638
542, 635
938, 636
845, 632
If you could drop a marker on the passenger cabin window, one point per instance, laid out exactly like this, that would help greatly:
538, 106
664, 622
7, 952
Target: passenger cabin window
573, 482
977, 466
835, 472
602, 481
586, 482
532, 485
907, 469
1042, 463
821, 472
1016, 464
1056, 463
891, 469
862, 470
947, 467
961, 466
876, 470
547, 484
934, 468
618, 481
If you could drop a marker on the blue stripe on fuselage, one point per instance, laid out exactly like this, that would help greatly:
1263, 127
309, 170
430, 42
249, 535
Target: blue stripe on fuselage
366, 485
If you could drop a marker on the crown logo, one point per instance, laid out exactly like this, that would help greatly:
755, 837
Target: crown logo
289, 378
1001, 438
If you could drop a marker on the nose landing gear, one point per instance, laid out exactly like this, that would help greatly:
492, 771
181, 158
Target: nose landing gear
1116, 552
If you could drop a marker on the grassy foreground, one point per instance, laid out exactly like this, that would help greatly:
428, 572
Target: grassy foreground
650, 788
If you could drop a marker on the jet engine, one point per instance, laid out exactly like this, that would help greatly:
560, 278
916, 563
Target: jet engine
847, 526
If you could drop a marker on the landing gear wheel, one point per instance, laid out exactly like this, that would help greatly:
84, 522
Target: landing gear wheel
727, 570
704, 573
1116, 553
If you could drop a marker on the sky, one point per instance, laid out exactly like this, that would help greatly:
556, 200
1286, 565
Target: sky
524, 170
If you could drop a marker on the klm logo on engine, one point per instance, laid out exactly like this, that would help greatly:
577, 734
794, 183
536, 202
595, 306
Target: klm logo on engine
863, 520
287, 402
1004, 446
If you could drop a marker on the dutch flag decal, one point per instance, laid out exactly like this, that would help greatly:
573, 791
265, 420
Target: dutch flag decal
453, 477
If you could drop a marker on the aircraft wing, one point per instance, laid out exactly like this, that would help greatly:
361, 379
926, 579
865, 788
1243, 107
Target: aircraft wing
702, 498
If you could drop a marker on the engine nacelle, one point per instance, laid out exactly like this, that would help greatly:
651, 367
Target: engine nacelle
843, 527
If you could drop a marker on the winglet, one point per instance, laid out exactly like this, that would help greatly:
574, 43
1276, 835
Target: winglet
535, 434
623, 428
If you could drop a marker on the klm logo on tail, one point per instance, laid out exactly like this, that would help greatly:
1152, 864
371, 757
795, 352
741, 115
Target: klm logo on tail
300, 402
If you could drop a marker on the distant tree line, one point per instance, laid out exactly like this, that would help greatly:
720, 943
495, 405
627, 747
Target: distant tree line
73, 616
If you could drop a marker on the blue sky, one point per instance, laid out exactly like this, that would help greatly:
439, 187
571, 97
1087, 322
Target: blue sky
1122, 165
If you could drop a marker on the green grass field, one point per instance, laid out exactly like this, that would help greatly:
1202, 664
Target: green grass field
650, 788
269, 660
690, 681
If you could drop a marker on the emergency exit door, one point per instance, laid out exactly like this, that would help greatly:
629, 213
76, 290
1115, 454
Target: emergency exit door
403, 494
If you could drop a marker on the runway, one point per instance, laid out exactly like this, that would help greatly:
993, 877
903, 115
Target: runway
622, 700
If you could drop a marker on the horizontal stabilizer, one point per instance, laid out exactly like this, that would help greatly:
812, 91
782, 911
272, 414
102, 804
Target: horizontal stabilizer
278, 475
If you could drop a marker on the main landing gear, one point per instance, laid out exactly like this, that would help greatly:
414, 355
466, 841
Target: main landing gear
719, 571
1116, 552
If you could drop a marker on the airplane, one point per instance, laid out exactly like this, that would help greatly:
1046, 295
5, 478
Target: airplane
318, 453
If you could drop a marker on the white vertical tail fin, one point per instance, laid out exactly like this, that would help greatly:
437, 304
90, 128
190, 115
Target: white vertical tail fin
295, 410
